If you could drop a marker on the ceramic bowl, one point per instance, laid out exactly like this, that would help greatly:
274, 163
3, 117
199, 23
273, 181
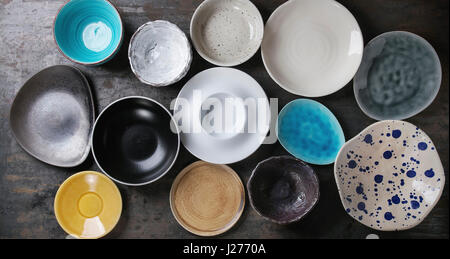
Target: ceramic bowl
207, 199
88, 32
160, 53
227, 32
283, 189
88, 205
310, 132
399, 77
52, 116
223, 115
135, 141
389, 176
312, 48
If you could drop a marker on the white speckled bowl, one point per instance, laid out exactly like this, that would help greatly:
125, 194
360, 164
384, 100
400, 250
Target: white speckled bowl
227, 32
389, 176
160, 53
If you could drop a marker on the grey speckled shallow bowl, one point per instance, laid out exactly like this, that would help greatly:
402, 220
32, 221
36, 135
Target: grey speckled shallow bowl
399, 77
160, 53
52, 116
283, 189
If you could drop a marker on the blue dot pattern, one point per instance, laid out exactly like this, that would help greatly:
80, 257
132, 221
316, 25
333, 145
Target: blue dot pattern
389, 176
310, 132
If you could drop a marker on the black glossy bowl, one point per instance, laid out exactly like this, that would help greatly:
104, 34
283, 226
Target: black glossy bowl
132, 141
283, 189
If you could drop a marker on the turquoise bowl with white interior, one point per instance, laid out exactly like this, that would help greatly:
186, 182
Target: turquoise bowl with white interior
88, 32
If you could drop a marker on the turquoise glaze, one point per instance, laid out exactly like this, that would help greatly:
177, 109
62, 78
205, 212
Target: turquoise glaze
89, 32
310, 132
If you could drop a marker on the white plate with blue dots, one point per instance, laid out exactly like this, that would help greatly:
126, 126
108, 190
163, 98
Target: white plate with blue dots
389, 176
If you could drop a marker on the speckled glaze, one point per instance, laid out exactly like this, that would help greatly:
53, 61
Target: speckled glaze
400, 76
310, 132
53, 114
389, 176
227, 32
160, 53
283, 189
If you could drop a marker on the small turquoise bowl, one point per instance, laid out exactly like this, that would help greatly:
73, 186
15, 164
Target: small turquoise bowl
88, 32
310, 132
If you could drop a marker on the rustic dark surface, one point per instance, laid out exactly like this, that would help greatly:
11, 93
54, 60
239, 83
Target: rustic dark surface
28, 186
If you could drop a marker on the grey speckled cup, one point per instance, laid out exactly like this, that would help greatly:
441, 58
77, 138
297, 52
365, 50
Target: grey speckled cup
400, 75
160, 53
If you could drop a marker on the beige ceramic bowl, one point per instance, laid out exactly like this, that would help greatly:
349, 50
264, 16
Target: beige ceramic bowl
227, 32
207, 199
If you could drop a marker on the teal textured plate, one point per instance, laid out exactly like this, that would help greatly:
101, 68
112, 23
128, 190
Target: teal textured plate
310, 132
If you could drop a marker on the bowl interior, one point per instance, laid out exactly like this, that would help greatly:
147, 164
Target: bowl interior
88, 205
88, 31
52, 116
283, 189
227, 32
160, 53
133, 142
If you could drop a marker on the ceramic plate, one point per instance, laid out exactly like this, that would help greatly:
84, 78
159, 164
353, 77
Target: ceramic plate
88, 205
52, 116
389, 176
223, 115
227, 32
312, 47
400, 76
160, 53
133, 141
310, 132
207, 199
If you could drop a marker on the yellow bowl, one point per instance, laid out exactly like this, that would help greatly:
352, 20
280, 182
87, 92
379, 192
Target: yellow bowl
88, 205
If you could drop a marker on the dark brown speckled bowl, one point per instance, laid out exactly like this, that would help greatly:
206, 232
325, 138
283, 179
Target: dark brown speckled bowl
283, 189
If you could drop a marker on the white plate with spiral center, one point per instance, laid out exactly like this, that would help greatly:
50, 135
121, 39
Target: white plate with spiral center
312, 48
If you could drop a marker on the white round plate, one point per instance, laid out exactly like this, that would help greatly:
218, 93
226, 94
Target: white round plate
312, 48
389, 176
223, 115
